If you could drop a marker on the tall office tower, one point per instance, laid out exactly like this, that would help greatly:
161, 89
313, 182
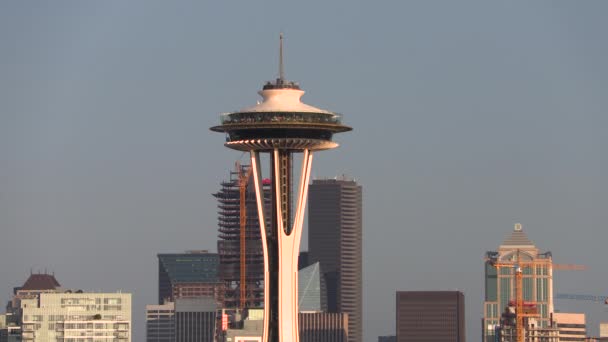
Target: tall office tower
188, 275
76, 316
571, 326
335, 239
160, 322
430, 316
234, 264
500, 282
195, 319
281, 125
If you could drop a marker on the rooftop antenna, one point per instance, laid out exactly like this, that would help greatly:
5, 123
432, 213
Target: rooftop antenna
281, 69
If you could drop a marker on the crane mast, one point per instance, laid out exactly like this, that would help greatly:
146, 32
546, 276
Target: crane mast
243, 178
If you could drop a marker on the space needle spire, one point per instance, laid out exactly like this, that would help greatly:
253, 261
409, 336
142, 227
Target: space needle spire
281, 126
281, 67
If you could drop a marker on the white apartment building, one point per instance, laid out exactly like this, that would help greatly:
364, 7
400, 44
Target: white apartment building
76, 317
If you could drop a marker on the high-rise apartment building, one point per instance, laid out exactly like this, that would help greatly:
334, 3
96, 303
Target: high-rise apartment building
188, 275
229, 242
42, 311
500, 282
76, 316
335, 241
430, 316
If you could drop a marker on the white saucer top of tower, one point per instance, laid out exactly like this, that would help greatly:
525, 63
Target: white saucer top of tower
280, 121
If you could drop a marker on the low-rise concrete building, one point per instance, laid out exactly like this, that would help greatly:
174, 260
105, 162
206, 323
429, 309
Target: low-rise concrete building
571, 326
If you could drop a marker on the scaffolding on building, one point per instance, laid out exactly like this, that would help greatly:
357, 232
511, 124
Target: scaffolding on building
241, 257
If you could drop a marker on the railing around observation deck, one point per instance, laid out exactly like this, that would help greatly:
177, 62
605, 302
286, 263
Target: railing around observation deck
280, 117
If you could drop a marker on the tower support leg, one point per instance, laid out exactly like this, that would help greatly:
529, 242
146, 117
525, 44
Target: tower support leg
282, 246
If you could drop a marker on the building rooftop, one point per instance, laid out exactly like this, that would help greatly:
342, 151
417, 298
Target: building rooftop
517, 238
197, 267
41, 281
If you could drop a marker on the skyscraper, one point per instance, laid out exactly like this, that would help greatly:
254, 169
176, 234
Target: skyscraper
335, 241
500, 282
281, 125
430, 316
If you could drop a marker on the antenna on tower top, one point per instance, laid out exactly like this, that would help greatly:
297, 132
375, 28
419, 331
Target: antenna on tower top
281, 69
280, 82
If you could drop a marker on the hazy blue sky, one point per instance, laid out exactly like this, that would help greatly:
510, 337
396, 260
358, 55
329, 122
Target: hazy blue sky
468, 116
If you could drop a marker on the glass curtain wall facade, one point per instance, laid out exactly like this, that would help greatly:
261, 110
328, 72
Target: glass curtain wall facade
190, 274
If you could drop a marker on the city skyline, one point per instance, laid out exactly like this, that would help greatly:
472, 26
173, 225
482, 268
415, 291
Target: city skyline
473, 116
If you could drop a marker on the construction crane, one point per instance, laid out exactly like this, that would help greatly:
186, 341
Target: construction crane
243, 179
519, 298
518, 265
591, 298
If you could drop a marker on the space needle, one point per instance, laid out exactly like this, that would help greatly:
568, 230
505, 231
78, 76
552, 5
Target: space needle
281, 125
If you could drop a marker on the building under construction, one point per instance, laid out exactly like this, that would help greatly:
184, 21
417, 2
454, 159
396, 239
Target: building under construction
239, 245
519, 280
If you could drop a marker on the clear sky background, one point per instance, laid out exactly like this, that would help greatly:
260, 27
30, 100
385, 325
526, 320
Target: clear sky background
468, 116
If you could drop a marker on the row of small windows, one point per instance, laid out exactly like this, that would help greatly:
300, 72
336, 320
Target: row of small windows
61, 318
79, 301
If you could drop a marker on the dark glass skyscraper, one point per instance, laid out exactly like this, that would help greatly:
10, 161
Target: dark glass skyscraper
187, 275
436, 316
335, 240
